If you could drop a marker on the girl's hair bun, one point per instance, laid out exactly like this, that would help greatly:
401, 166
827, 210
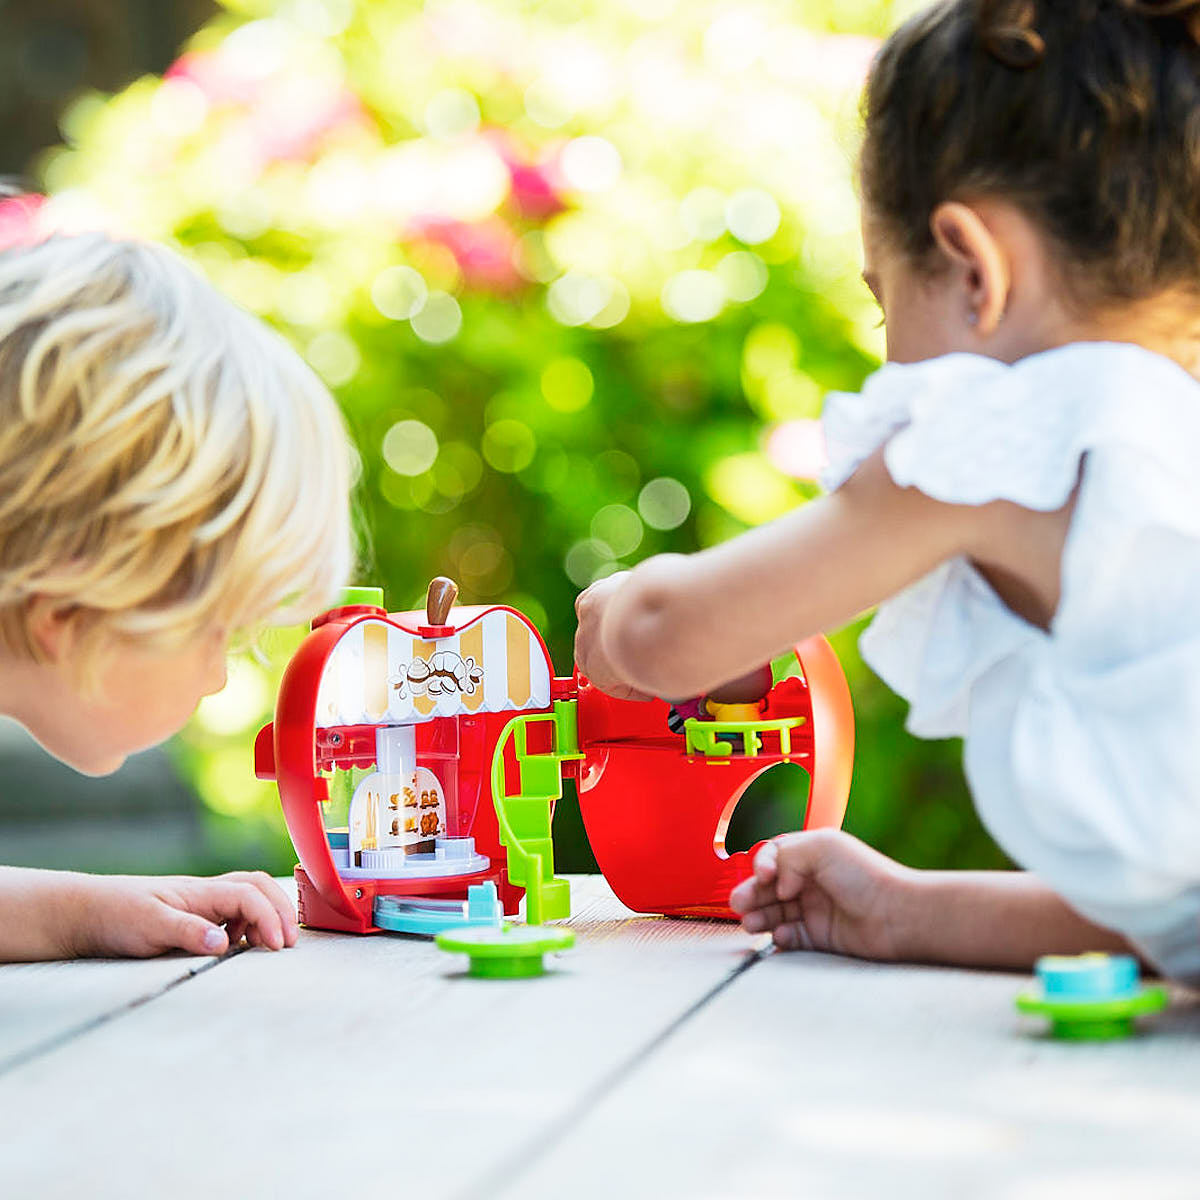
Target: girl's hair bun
1186, 11
1008, 34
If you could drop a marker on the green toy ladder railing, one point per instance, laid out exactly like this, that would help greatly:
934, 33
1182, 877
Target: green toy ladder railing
524, 815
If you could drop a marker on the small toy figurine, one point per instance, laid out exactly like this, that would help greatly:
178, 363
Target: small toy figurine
738, 700
1090, 997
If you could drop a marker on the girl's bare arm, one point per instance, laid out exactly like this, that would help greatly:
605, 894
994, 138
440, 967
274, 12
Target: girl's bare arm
678, 625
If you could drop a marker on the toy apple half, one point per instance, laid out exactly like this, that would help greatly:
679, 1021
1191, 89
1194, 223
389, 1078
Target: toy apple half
657, 805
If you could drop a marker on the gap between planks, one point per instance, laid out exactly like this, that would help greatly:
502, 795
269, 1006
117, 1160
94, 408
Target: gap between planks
72, 1033
507, 1174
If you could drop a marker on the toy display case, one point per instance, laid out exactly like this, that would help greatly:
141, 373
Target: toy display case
419, 756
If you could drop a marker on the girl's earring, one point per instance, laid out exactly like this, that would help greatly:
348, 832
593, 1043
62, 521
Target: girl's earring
972, 318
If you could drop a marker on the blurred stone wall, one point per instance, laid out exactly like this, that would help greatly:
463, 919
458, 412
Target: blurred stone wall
50, 50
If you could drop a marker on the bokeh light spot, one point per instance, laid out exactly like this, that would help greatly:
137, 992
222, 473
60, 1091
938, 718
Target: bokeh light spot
753, 216
664, 503
399, 293
509, 445
460, 462
410, 447
304, 298
693, 296
588, 560
619, 527
703, 213
567, 385
743, 274
615, 310
334, 357
590, 164
748, 487
178, 107
770, 349
736, 40
576, 298
546, 106
451, 113
438, 320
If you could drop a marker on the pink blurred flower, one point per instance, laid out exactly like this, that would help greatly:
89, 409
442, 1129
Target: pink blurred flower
19, 225
286, 116
215, 76
797, 448
483, 251
295, 127
535, 185
533, 191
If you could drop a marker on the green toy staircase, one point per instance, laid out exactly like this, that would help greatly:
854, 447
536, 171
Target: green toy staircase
524, 815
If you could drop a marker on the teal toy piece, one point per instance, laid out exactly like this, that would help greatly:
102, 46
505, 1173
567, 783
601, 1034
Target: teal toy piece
482, 909
1091, 997
514, 952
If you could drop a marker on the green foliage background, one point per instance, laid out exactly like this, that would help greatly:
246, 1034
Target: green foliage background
546, 255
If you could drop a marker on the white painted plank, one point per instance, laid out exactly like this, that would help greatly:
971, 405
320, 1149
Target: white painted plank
362, 1066
822, 1077
43, 1003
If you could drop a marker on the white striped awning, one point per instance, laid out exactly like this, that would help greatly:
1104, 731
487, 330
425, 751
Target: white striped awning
380, 673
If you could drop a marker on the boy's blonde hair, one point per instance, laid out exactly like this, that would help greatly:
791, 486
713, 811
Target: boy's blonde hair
168, 464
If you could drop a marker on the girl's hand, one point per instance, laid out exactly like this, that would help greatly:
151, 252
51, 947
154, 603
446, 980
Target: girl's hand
129, 916
826, 890
590, 608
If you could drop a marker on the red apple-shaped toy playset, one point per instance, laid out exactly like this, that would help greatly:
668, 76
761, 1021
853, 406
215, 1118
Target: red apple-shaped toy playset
419, 756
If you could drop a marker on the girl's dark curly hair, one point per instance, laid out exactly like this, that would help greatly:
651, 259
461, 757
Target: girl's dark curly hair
1084, 113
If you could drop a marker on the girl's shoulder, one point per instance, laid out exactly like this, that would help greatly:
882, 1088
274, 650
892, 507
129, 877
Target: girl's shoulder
968, 429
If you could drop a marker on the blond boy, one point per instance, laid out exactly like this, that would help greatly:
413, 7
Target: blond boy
171, 475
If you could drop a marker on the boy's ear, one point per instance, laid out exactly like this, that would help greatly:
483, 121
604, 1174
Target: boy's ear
52, 628
970, 245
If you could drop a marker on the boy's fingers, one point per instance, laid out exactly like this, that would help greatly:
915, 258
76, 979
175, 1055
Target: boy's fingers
186, 931
229, 900
276, 895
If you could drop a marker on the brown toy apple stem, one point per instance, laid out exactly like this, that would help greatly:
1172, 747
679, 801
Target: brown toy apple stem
441, 596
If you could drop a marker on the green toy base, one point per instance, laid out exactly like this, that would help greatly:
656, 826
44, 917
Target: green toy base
1093, 1020
506, 968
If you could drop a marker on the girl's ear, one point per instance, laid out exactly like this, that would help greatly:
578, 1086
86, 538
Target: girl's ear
975, 252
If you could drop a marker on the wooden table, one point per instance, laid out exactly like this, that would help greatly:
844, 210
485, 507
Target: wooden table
658, 1058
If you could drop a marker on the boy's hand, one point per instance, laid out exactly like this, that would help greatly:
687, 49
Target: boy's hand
590, 658
129, 916
825, 890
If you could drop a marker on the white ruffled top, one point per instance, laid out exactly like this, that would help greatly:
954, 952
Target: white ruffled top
1082, 743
